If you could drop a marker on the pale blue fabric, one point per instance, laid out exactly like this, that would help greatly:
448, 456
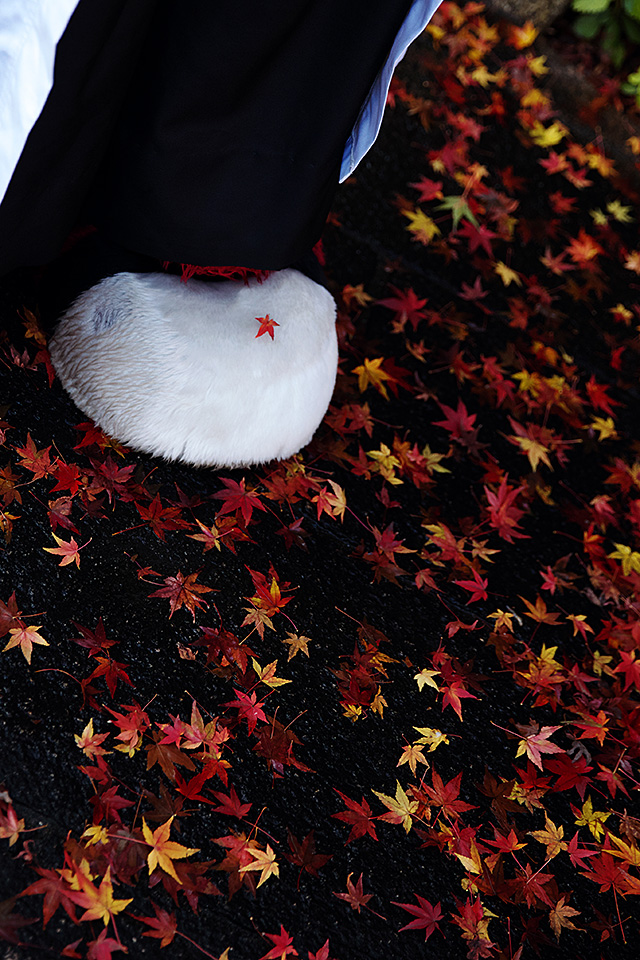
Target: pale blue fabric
369, 119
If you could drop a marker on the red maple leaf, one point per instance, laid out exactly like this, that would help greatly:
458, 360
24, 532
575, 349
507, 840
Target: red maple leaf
230, 804
407, 306
237, 497
303, 854
266, 326
426, 915
446, 795
68, 476
248, 707
355, 896
358, 815
631, 669
503, 512
283, 946
95, 641
476, 587
37, 461
163, 926
183, 591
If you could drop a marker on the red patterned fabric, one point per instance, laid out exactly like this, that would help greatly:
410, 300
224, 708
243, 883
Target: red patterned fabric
189, 270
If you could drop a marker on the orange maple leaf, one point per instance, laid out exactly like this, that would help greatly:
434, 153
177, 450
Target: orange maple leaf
68, 550
24, 637
98, 901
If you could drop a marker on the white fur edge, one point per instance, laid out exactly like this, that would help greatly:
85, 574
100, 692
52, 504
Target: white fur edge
176, 370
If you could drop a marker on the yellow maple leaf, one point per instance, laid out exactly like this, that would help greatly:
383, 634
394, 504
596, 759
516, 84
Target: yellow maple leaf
412, 754
547, 136
423, 228
559, 916
95, 834
521, 37
379, 703
502, 619
400, 807
551, 836
265, 861
619, 212
599, 218
626, 851
534, 450
164, 851
425, 678
629, 558
534, 98
370, 372
268, 674
538, 66
385, 463
433, 464
633, 261
604, 426
600, 662
355, 294
506, 274
432, 737
594, 819
99, 901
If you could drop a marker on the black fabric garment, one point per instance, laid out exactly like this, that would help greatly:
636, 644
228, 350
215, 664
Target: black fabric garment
95, 60
199, 132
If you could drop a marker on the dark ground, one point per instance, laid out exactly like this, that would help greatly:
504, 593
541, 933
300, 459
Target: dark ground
547, 364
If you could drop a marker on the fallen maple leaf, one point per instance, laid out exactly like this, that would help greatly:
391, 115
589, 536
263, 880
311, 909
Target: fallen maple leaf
163, 926
559, 916
283, 946
400, 807
69, 551
358, 816
183, 591
237, 497
266, 326
264, 861
426, 915
164, 851
536, 742
24, 637
355, 896
99, 901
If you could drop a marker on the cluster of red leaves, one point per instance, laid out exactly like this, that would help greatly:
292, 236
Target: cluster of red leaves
509, 426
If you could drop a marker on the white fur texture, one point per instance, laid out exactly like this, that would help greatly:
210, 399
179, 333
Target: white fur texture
176, 370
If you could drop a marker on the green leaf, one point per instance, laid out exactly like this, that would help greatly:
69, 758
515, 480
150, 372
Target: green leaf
458, 208
613, 44
632, 29
591, 6
588, 25
632, 8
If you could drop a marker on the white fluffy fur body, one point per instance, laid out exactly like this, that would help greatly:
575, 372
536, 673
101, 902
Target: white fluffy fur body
176, 370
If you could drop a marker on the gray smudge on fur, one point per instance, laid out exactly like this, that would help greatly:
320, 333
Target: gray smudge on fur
104, 319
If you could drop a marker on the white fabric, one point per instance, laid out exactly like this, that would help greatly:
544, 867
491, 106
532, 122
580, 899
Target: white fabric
176, 370
369, 120
29, 33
